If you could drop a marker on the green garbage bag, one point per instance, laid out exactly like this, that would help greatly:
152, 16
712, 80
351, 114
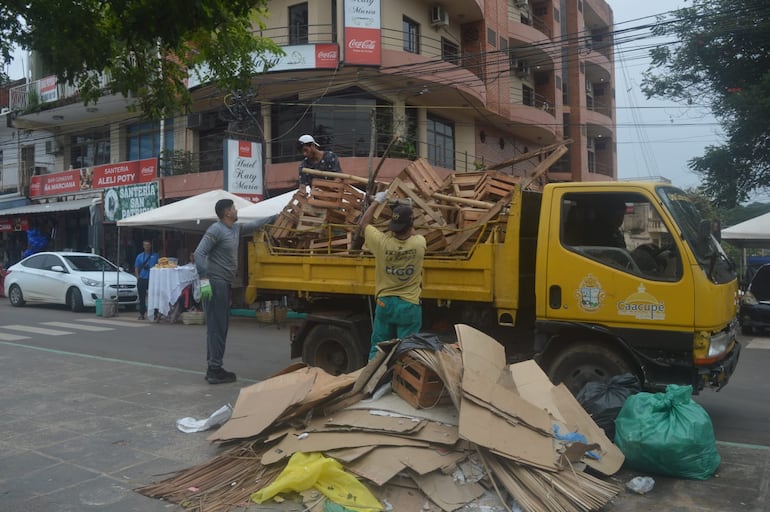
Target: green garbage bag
667, 434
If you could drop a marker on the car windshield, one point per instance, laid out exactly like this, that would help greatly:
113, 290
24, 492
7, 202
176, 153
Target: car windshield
710, 255
89, 263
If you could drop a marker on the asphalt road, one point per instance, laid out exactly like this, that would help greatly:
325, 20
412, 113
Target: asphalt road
739, 412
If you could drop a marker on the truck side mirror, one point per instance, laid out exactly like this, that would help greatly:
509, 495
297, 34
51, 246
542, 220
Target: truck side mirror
710, 227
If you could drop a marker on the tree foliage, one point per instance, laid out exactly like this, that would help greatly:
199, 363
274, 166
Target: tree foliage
721, 56
145, 47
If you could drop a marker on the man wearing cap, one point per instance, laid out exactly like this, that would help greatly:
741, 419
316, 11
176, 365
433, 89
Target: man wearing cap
398, 273
316, 159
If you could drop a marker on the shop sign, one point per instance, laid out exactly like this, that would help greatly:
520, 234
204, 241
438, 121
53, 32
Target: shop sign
100, 176
362, 32
304, 56
129, 200
48, 89
243, 169
14, 224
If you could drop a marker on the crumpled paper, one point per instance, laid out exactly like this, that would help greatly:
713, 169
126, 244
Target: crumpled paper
218, 417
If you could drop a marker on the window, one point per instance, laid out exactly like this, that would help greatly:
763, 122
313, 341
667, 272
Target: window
143, 139
441, 142
623, 231
411, 36
339, 122
527, 95
450, 52
89, 149
298, 24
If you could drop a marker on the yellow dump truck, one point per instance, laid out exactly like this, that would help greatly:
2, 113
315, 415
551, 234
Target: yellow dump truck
548, 279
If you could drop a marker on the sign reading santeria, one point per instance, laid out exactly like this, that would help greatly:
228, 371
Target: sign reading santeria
123, 202
99, 176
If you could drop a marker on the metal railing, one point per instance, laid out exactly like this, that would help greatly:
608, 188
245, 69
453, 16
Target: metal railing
30, 95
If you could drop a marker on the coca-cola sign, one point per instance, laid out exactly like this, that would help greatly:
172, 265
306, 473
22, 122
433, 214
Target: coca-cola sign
362, 32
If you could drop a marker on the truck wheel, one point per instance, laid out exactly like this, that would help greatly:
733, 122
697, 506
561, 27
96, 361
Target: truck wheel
332, 349
582, 362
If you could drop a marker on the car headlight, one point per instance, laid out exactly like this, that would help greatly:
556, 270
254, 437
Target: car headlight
90, 282
749, 299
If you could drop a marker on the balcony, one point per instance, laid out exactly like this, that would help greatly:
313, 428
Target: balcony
47, 103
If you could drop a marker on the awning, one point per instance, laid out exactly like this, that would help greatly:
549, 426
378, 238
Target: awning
61, 206
14, 201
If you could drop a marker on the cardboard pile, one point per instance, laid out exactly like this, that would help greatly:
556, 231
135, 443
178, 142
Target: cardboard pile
508, 434
453, 213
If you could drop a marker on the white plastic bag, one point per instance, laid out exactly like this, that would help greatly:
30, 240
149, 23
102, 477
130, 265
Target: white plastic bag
189, 425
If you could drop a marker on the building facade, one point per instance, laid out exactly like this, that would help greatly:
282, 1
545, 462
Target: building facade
463, 83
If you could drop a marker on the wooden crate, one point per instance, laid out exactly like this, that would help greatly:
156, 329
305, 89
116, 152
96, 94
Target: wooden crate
417, 384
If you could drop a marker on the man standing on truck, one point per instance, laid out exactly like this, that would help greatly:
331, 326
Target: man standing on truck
315, 158
216, 259
398, 273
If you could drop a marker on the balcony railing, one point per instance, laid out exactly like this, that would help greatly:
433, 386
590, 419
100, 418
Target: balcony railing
46, 90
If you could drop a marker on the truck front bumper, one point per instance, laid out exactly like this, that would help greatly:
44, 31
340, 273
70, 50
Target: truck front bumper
717, 375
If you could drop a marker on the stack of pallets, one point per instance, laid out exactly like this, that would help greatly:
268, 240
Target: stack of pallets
453, 213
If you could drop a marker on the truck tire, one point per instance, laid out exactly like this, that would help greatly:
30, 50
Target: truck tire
581, 362
333, 349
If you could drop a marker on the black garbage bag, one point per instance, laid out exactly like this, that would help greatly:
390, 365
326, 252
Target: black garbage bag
603, 400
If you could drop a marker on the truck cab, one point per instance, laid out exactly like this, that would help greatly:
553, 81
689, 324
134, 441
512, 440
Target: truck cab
628, 279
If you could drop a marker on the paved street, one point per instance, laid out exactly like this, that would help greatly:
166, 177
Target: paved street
89, 407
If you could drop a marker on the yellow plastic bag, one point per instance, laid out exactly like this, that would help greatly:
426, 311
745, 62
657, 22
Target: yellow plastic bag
313, 470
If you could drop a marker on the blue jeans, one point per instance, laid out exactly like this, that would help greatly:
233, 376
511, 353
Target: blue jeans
394, 318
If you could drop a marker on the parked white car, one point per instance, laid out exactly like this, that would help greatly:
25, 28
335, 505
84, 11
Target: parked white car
76, 279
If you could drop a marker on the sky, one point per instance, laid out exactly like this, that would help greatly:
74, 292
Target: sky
654, 137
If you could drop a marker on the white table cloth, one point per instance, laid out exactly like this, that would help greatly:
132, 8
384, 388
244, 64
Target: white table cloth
167, 284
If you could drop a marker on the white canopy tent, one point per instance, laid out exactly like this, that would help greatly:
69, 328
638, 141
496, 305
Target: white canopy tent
265, 208
751, 233
195, 213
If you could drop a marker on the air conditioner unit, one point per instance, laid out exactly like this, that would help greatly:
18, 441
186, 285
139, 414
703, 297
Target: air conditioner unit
522, 3
51, 147
439, 17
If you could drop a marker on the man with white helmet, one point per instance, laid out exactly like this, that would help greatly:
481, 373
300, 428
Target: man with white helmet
315, 158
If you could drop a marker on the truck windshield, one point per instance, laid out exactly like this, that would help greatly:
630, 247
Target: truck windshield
710, 255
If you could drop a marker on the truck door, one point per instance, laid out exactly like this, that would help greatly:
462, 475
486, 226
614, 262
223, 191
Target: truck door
613, 260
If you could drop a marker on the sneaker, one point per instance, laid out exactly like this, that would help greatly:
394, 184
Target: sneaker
219, 376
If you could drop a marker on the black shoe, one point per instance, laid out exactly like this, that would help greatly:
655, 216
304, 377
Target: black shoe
219, 376
141, 316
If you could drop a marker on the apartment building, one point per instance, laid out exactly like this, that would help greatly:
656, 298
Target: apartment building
463, 83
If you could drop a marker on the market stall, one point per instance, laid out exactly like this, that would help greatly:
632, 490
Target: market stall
170, 285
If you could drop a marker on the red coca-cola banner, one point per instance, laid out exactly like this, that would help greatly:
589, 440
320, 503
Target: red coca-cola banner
363, 43
100, 176
14, 224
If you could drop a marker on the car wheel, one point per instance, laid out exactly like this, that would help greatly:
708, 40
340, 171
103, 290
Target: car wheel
15, 296
332, 349
581, 362
75, 300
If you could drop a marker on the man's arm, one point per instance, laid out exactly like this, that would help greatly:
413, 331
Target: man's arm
250, 227
368, 215
202, 254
